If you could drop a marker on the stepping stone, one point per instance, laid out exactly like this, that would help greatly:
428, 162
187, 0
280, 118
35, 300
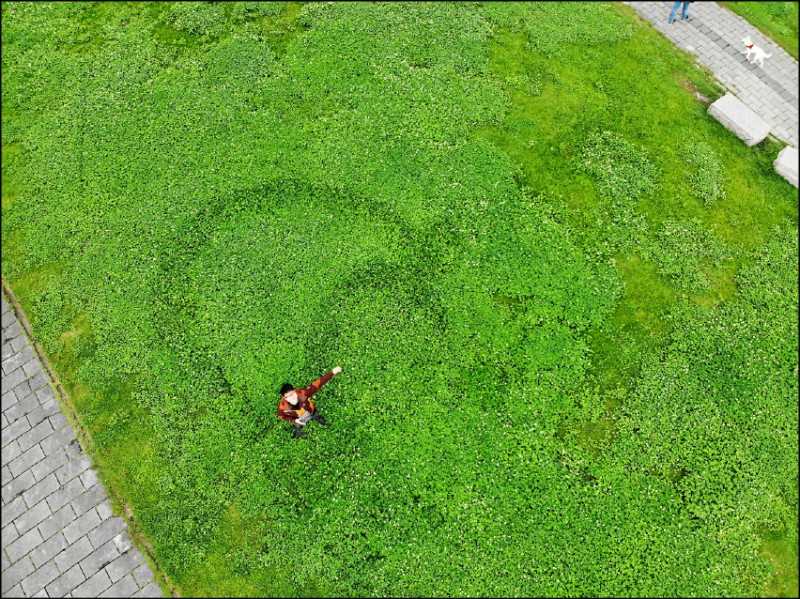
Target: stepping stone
738, 118
786, 164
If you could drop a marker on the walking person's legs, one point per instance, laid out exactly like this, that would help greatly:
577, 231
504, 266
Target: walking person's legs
685, 12
675, 8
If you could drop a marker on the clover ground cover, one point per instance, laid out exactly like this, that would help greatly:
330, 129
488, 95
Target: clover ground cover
563, 298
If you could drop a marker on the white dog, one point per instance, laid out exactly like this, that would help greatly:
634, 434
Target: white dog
757, 53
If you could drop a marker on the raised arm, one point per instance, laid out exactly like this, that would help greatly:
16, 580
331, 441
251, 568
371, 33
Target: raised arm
315, 386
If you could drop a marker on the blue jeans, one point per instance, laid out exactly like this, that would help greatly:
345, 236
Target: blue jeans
675, 8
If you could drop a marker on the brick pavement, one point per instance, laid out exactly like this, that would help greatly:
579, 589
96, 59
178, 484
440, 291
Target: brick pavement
714, 35
59, 535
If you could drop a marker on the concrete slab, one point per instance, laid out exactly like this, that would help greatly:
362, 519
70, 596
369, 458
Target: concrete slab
738, 118
786, 164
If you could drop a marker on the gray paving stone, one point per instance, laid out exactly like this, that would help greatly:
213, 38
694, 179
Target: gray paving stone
36, 434
107, 530
57, 521
104, 507
89, 478
38, 381
99, 558
66, 582
72, 468
14, 508
5, 475
82, 525
122, 588
143, 574
7, 399
124, 564
49, 464
57, 420
40, 593
10, 452
15, 378
37, 580
31, 367
85, 501
12, 331
49, 410
18, 486
27, 520
93, 586
26, 460
73, 553
17, 343
15, 430
24, 545
49, 549
151, 590
22, 390
15, 592
122, 541
45, 394
60, 438
4, 561
22, 407
40, 490
73, 449
9, 533
15, 574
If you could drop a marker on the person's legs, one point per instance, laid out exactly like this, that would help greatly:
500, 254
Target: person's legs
321, 419
675, 8
298, 430
685, 12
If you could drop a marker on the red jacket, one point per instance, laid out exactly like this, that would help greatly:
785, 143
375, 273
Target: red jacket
289, 413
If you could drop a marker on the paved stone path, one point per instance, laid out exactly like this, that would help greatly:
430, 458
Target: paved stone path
714, 34
59, 537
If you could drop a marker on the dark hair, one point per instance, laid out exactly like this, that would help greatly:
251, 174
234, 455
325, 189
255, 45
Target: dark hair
286, 388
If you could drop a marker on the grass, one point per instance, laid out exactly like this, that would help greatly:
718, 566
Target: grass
784, 582
538, 264
776, 20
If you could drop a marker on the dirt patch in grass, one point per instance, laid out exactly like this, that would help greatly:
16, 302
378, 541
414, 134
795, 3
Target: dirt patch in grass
689, 85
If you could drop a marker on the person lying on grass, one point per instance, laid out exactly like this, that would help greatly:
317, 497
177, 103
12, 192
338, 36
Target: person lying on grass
296, 406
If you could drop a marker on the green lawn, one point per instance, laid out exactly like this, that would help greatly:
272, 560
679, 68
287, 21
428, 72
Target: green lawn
778, 20
564, 298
